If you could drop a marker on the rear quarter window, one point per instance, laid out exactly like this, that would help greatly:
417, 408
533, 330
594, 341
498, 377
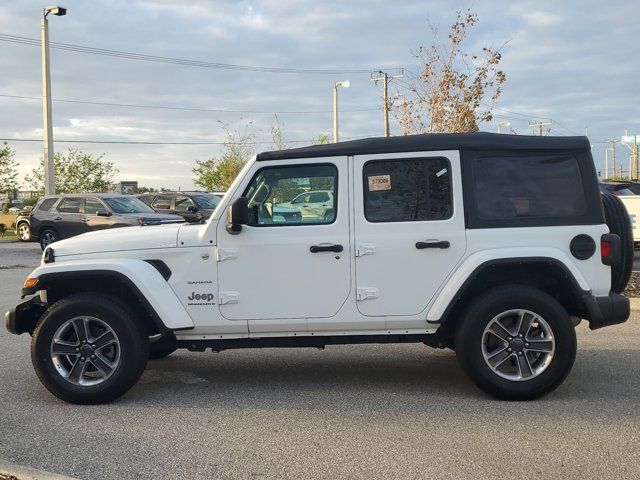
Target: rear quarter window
530, 189
46, 204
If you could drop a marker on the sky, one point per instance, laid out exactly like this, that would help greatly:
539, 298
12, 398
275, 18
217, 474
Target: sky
570, 62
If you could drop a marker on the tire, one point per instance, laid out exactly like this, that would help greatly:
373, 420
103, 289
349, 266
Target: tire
162, 348
23, 231
618, 221
47, 237
474, 348
122, 362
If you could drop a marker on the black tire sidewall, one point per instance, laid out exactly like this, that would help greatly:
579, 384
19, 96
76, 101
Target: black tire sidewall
133, 348
52, 231
480, 313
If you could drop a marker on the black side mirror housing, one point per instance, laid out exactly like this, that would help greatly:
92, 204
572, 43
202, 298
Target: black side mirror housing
238, 214
103, 213
192, 209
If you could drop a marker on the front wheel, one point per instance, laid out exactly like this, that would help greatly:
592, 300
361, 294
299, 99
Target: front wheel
24, 232
516, 343
87, 349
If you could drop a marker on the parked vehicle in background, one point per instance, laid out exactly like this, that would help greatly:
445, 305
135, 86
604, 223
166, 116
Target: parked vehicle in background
616, 188
487, 249
14, 209
313, 205
195, 207
62, 216
23, 229
634, 187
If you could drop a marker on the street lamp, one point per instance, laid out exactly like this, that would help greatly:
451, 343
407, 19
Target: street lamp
49, 170
344, 84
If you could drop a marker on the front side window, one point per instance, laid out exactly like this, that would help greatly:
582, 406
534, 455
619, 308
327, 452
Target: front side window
528, 187
282, 195
70, 205
92, 206
183, 203
407, 190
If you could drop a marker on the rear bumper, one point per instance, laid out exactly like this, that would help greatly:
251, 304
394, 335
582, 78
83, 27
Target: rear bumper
24, 316
609, 310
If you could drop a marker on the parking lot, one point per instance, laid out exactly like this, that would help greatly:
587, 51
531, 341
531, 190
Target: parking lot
391, 411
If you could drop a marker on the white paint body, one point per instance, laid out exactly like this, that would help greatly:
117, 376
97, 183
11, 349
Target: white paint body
264, 282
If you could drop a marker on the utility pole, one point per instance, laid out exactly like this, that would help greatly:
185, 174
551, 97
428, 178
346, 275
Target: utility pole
613, 154
538, 125
344, 84
49, 167
385, 78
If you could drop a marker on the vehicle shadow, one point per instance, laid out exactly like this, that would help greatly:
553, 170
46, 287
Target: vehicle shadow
394, 379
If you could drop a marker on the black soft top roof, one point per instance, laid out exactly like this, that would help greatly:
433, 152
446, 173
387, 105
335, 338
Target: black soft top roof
432, 141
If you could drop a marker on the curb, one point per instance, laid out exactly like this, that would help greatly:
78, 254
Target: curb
26, 473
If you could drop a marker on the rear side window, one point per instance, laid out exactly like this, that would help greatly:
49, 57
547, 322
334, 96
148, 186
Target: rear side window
528, 187
92, 205
70, 205
407, 190
46, 204
163, 202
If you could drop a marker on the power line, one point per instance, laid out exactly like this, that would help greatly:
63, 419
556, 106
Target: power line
131, 142
17, 39
190, 109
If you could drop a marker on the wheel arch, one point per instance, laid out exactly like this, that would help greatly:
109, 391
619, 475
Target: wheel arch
547, 274
138, 283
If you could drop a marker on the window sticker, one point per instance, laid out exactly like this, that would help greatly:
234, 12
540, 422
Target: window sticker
379, 182
441, 172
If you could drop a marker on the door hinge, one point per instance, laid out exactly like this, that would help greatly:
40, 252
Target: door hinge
365, 293
229, 297
227, 253
365, 249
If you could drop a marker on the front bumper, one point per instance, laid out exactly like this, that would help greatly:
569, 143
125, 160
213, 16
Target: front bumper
24, 316
609, 310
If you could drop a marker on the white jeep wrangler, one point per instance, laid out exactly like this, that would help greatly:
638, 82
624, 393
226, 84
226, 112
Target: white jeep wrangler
492, 245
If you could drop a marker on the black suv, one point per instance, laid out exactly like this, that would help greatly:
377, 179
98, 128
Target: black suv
195, 207
61, 216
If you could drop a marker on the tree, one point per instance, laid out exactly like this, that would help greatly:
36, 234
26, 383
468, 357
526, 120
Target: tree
322, 139
455, 90
8, 169
76, 172
277, 135
217, 174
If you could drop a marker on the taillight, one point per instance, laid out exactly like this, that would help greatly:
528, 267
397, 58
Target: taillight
610, 249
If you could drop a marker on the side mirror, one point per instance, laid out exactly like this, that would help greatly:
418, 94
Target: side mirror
238, 214
192, 209
103, 213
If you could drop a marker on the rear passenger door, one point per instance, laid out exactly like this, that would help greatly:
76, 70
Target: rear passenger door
409, 229
69, 220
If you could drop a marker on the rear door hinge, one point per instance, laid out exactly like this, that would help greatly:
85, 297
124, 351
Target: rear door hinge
226, 253
365, 249
229, 297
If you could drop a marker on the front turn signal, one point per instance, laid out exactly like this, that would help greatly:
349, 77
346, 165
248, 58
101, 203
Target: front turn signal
30, 282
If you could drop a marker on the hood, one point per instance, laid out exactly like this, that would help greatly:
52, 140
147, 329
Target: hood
119, 239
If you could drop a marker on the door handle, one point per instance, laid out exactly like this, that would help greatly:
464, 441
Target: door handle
433, 244
325, 248
58, 218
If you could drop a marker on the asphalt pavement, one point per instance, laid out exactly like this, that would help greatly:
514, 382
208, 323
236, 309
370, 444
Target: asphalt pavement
391, 411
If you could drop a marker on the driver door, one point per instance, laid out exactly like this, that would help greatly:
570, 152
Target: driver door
283, 265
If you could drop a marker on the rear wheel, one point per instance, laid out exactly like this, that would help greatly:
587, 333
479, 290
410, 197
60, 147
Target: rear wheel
88, 349
47, 237
618, 221
516, 343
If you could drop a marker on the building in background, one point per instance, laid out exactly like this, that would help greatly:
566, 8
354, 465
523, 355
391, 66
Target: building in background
125, 188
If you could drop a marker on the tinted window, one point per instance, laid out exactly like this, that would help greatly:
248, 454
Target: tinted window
70, 205
163, 202
528, 187
412, 189
46, 204
206, 200
92, 205
128, 205
272, 191
183, 203
148, 199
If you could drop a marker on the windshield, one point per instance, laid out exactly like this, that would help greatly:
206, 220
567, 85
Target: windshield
128, 205
207, 201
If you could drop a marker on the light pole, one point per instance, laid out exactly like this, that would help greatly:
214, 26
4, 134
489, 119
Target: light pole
49, 170
344, 84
